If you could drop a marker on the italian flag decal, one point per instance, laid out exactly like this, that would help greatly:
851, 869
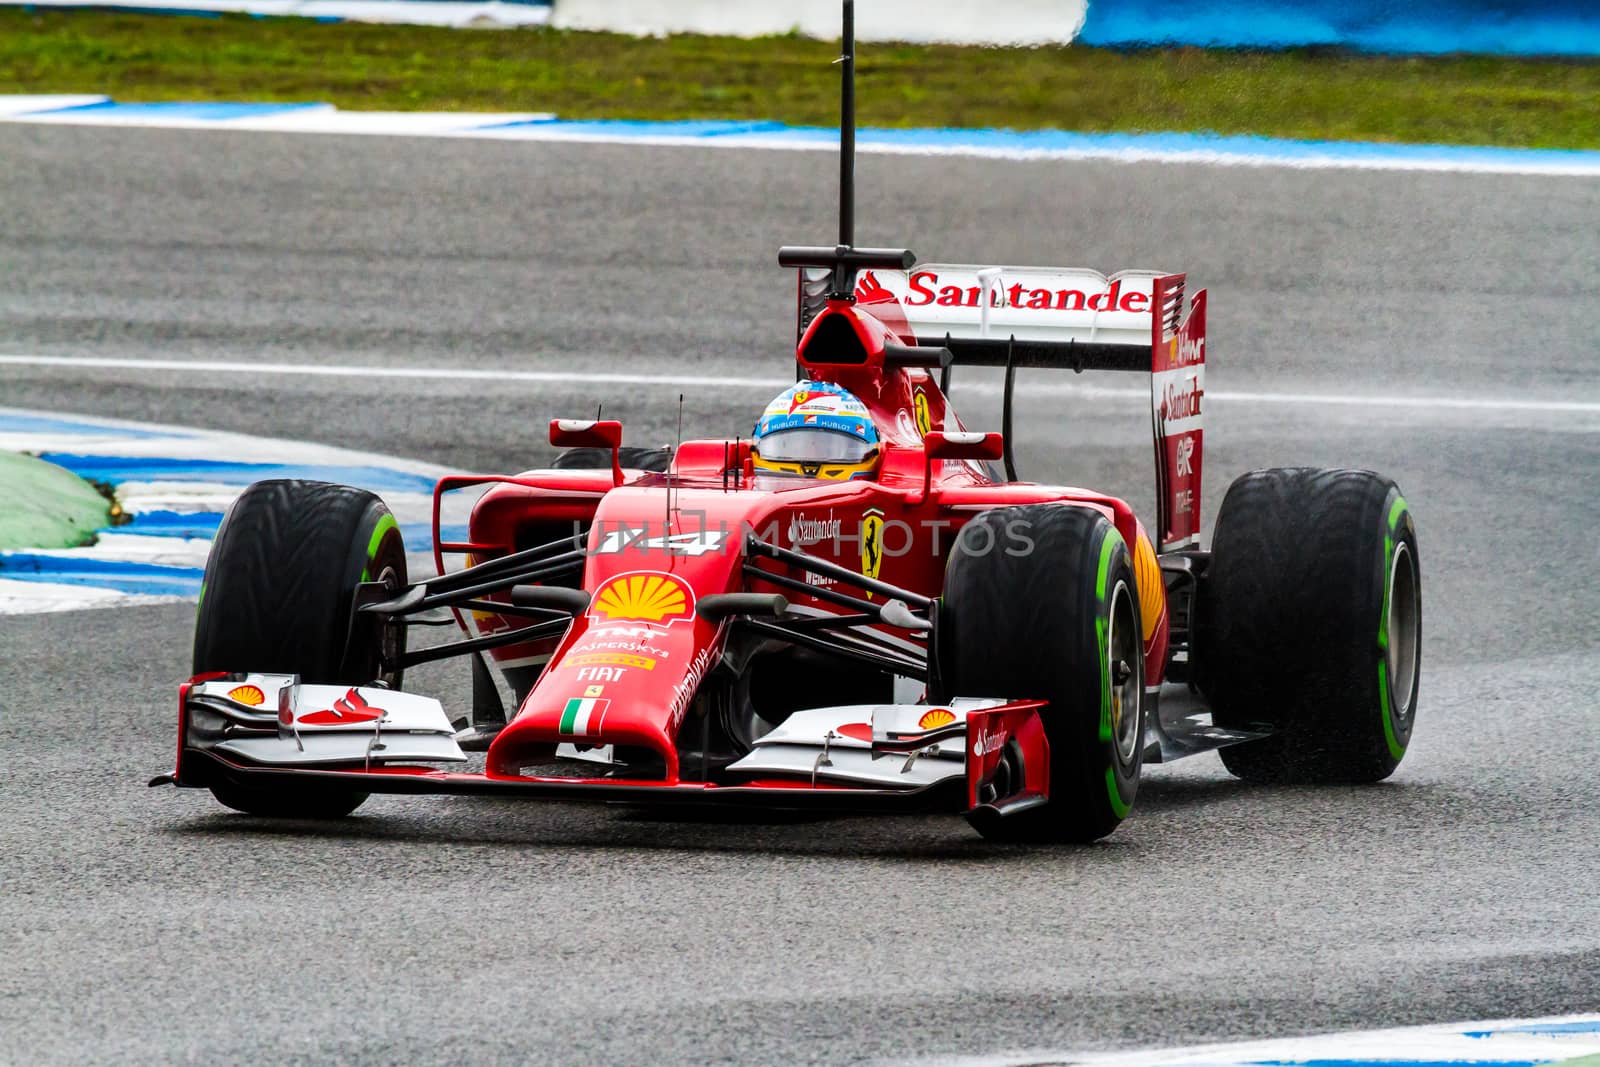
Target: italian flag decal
582, 717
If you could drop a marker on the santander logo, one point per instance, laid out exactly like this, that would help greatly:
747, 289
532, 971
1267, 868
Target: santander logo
1182, 401
926, 289
348, 709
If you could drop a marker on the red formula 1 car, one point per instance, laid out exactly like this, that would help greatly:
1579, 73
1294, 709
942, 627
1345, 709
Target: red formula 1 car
728, 624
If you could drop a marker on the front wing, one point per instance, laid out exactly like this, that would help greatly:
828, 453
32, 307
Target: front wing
270, 732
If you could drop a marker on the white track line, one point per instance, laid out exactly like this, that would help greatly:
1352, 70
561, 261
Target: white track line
470, 374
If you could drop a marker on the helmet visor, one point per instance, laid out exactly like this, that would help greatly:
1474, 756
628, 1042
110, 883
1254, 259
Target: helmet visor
810, 445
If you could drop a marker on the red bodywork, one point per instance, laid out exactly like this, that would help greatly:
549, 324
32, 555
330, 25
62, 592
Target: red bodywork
645, 661
629, 670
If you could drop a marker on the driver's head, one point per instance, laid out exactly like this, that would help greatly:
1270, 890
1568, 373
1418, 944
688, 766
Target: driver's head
816, 430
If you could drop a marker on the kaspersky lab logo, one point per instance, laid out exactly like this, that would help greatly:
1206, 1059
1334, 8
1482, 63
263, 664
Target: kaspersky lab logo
871, 542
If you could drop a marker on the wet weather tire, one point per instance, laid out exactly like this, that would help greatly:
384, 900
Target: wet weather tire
1310, 625
1058, 620
277, 597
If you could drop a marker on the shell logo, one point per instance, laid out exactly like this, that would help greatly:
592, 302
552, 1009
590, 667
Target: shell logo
932, 720
248, 694
643, 597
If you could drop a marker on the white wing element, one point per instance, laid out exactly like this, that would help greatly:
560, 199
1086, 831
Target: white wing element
1030, 303
290, 723
835, 744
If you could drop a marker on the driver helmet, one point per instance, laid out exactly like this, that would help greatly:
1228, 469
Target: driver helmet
816, 430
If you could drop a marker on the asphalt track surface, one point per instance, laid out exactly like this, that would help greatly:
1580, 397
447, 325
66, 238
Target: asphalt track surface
139, 924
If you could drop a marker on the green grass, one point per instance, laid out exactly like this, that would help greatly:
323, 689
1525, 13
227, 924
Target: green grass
1307, 94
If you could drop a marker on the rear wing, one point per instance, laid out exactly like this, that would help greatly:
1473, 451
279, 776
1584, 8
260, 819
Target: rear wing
1061, 319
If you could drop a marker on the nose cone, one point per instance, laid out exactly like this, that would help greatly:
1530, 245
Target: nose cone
625, 677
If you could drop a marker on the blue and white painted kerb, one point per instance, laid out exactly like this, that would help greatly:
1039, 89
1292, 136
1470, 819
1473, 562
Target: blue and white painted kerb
175, 485
1208, 149
1573, 1040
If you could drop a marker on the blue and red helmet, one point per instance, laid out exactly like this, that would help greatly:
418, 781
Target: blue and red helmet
816, 430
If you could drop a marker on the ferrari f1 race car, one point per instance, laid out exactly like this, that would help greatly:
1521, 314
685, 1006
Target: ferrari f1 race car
861, 608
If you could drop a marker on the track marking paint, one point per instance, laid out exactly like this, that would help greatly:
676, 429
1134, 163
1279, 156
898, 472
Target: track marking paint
1022, 145
471, 374
175, 484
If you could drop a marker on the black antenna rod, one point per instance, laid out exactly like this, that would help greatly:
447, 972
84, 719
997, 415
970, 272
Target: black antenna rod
847, 130
844, 259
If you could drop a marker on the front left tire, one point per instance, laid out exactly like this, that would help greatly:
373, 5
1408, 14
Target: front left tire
1040, 602
277, 596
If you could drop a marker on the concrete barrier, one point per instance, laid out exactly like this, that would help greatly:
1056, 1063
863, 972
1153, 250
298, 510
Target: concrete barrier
993, 22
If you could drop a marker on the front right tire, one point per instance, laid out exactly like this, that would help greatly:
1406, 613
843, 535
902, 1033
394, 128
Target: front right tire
277, 596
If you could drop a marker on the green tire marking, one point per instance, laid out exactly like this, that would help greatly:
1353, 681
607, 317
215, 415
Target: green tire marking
1383, 619
1396, 509
1105, 681
1108, 548
202, 599
385, 524
1396, 749
1109, 545
1118, 806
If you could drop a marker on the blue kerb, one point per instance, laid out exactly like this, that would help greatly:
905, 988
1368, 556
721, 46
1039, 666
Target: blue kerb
187, 525
1548, 27
418, 536
679, 128
119, 469
1200, 145
45, 424
148, 578
1580, 1026
218, 111
1398, 1061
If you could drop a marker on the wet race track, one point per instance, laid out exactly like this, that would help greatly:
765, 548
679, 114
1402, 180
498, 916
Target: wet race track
142, 924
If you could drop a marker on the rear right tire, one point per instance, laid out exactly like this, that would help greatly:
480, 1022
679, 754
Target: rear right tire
1310, 625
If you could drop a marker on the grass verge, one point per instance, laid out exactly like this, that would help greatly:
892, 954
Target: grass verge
48, 506
1299, 94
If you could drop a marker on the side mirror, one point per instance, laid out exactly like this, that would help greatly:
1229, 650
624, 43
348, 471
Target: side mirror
952, 444
590, 433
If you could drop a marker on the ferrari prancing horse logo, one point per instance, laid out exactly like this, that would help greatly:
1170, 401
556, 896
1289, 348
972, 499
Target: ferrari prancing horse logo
871, 543
919, 407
